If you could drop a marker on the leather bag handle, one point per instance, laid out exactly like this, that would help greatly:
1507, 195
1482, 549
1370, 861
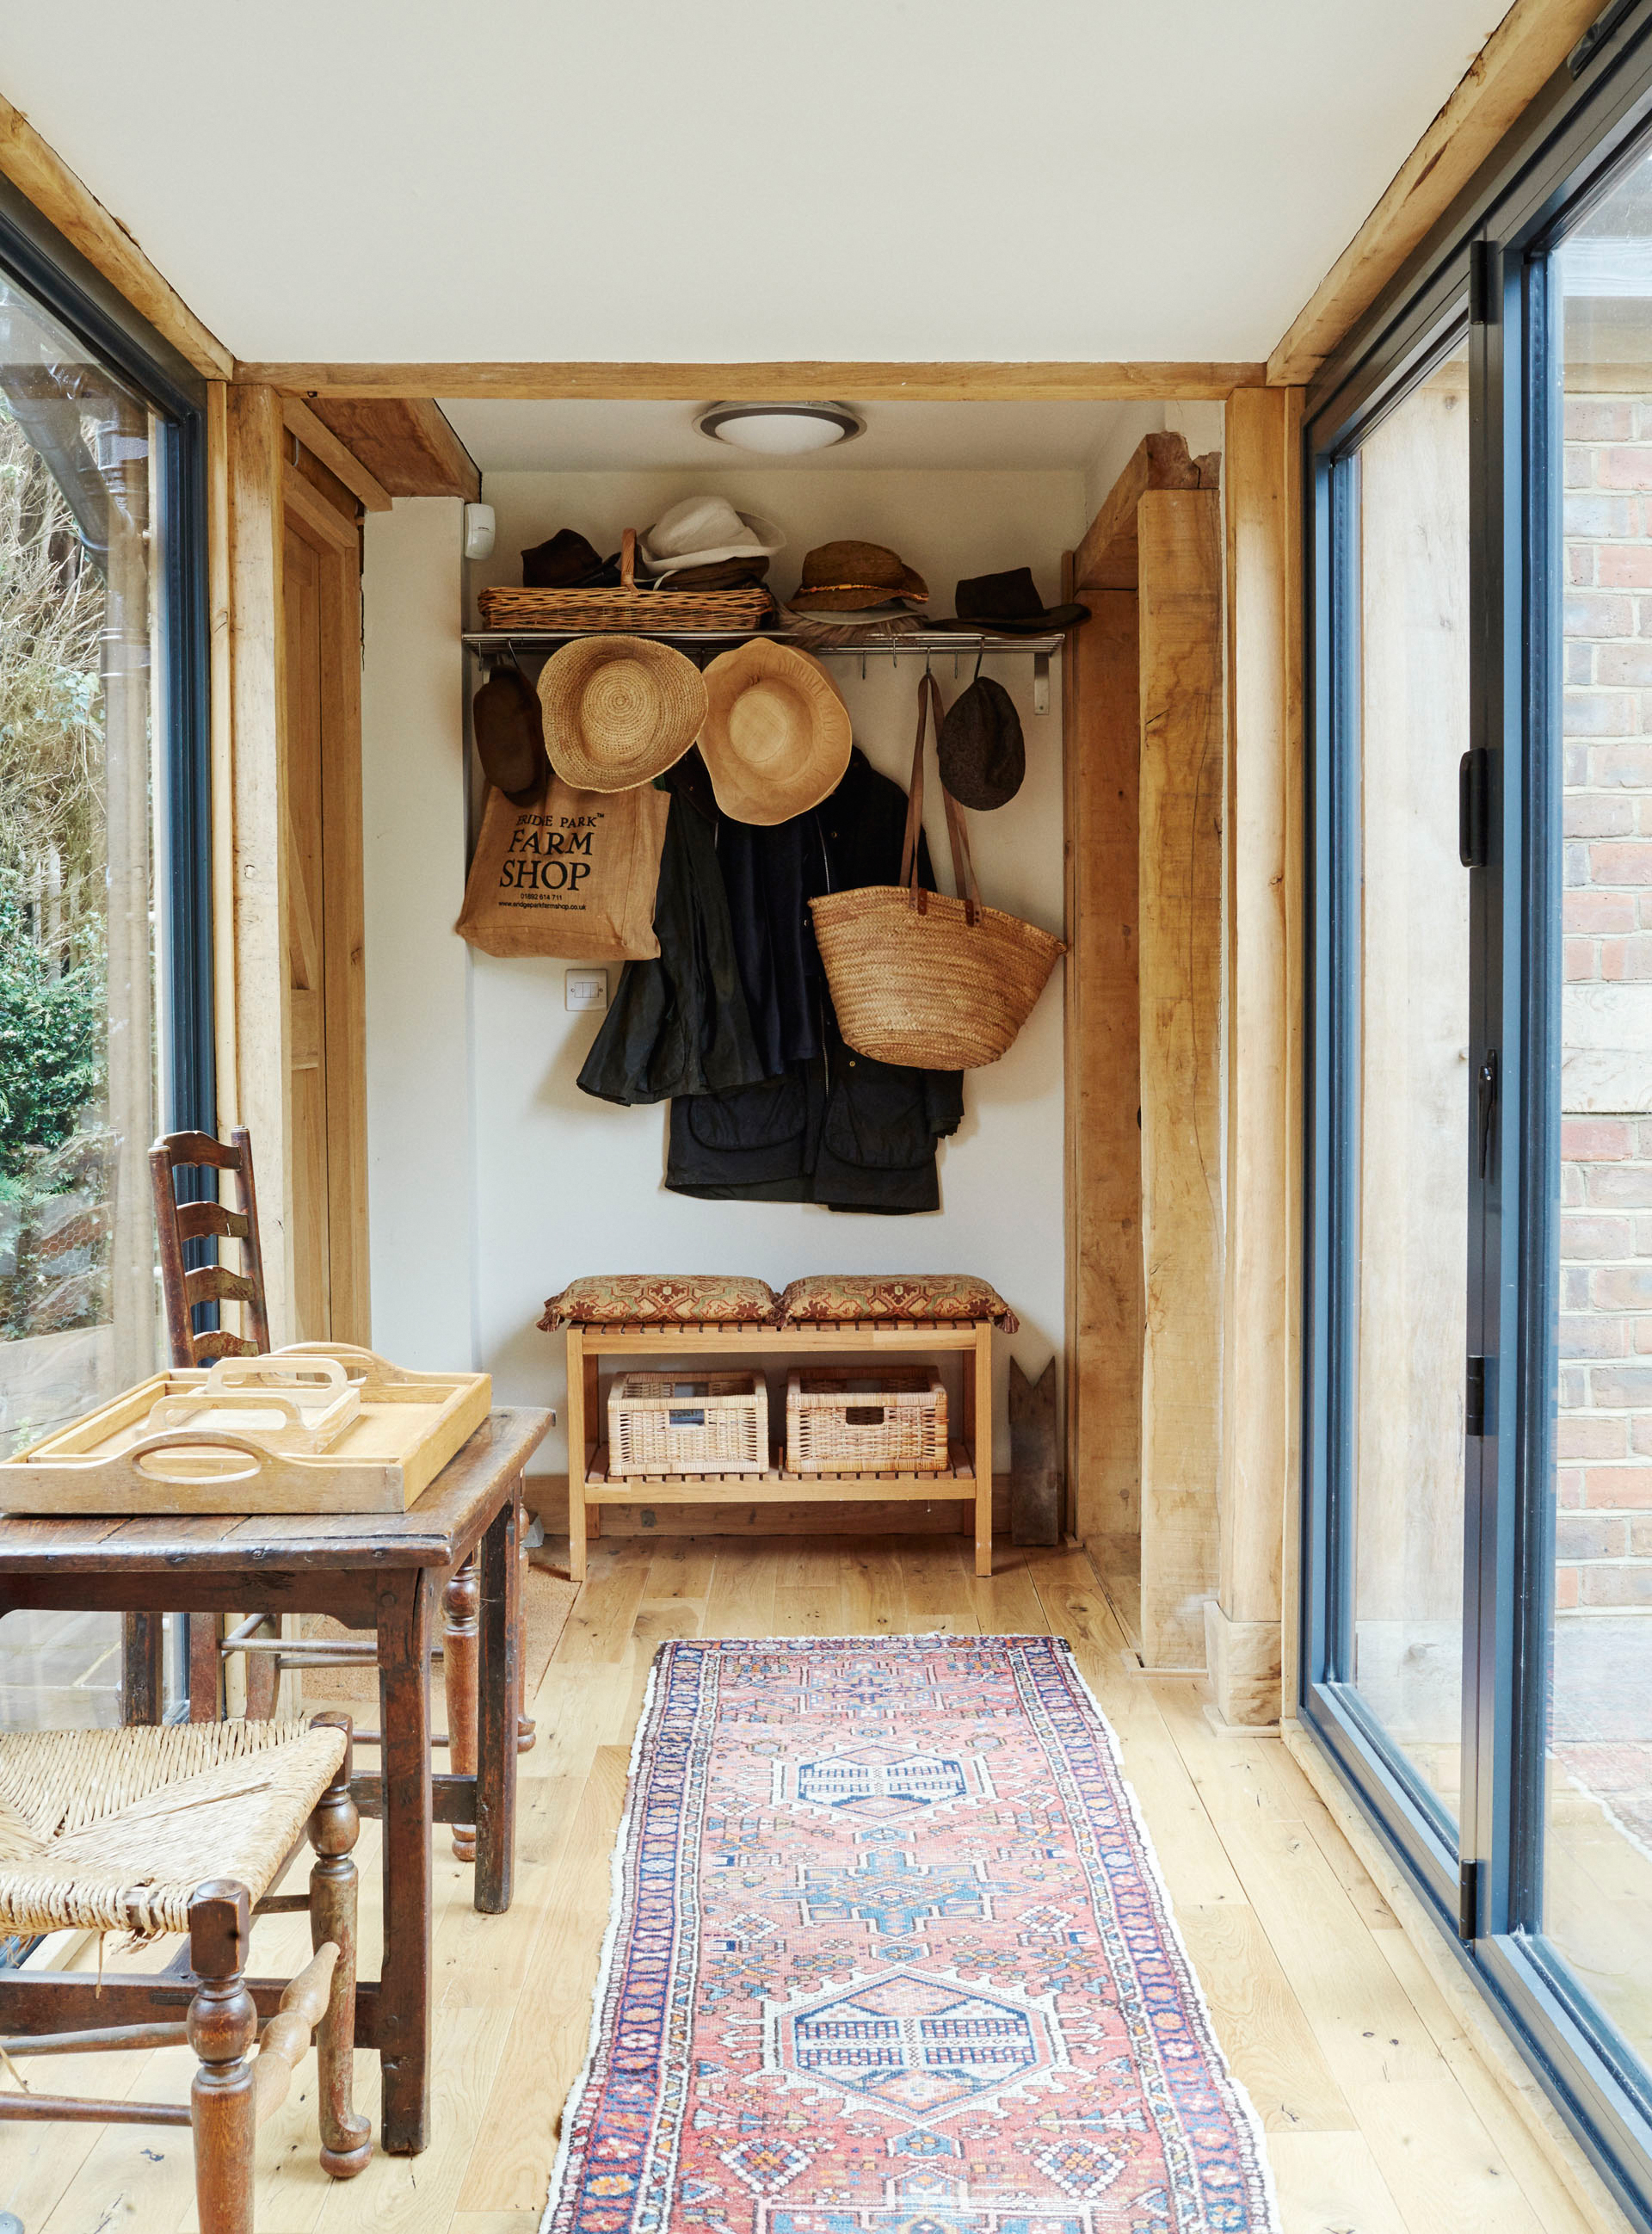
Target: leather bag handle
957, 836
628, 559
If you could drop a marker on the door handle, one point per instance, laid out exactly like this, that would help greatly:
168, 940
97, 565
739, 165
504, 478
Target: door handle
1485, 1102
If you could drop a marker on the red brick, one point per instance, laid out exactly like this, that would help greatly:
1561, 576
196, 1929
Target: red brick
1571, 1190
1641, 1536
1641, 1325
1575, 761
1588, 814
1581, 960
1597, 1237
1566, 1589
1615, 1586
1594, 518
1643, 1137
1641, 1436
1574, 1388
1629, 863
1580, 563
1618, 1186
1591, 1435
1626, 961
1623, 666
1621, 767
1624, 566
1597, 1139
1629, 467
1600, 915
1606, 1487
1569, 1487
1591, 419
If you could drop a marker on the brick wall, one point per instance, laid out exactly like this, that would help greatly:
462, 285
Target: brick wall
1604, 1548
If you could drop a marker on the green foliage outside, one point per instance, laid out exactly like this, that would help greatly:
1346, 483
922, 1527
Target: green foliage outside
51, 1045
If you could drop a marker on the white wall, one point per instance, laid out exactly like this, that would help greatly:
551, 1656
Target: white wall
420, 1150
564, 1185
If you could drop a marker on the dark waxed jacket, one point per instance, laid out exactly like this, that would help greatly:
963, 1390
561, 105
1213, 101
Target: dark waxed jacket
829, 1126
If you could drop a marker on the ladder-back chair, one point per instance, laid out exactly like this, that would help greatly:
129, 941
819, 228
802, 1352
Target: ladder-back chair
178, 1222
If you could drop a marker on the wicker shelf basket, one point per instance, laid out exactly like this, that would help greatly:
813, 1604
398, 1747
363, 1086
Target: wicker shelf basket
891, 1420
633, 610
658, 1424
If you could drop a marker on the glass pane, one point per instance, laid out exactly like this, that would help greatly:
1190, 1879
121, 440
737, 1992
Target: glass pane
78, 1292
1597, 1869
1412, 1072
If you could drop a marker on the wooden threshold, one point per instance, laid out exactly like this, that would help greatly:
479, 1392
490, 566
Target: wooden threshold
965, 381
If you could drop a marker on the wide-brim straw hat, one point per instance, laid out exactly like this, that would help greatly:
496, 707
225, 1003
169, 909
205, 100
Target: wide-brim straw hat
777, 737
619, 710
847, 577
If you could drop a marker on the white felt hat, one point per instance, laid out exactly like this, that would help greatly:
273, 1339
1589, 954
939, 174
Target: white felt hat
699, 531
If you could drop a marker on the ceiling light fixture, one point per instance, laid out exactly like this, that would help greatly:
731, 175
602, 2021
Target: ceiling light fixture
780, 429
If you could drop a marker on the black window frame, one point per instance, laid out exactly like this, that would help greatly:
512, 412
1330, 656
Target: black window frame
1480, 261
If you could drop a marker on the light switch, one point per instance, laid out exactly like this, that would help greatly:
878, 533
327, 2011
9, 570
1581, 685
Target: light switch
584, 989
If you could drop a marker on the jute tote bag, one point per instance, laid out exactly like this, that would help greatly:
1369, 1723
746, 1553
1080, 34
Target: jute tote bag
570, 873
941, 985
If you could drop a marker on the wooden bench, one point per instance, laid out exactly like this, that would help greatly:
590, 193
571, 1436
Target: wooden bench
968, 1478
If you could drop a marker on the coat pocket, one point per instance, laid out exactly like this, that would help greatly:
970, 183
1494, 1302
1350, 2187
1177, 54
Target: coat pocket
747, 1117
876, 1119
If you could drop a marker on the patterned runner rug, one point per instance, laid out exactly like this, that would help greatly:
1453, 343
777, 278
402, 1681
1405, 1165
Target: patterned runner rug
890, 1955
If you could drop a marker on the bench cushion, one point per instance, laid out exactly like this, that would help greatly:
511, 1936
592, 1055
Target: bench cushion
649, 1298
928, 1297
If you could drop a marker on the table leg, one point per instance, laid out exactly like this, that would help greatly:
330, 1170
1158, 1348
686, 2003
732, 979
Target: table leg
499, 1687
576, 1454
459, 1682
524, 1723
405, 1615
594, 1429
205, 1668
142, 1674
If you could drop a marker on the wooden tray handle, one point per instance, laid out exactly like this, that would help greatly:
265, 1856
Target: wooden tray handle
241, 1373
179, 1439
378, 1372
169, 1412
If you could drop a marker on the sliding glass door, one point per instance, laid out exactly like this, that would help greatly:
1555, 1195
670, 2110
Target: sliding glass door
1477, 1641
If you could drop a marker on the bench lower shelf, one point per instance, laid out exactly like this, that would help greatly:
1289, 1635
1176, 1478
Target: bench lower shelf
774, 1486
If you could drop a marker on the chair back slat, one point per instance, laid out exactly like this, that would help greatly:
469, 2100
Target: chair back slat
201, 1221
177, 1223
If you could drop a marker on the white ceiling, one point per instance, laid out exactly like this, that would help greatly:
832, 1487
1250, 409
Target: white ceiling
412, 179
615, 437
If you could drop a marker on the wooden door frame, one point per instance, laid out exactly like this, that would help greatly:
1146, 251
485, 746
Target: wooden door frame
255, 492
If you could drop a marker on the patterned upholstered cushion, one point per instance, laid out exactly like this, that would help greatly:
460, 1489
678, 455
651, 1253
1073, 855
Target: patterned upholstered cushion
835, 1296
633, 1299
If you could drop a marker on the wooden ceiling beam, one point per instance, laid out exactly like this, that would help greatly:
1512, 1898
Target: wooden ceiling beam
341, 461
966, 381
404, 442
42, 178
1525, 51
1106, 558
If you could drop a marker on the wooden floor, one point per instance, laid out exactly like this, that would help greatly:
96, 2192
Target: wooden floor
1380, 2115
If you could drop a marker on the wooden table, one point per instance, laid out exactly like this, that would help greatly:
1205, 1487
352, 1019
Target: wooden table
382, 1571
968, 1477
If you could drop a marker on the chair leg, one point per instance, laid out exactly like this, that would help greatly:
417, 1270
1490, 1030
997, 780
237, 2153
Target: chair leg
346, 2139
223, 2023
461, 1647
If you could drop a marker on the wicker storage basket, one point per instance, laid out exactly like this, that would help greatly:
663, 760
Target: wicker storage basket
639, 611
658, 1424
890, 1421
918, 978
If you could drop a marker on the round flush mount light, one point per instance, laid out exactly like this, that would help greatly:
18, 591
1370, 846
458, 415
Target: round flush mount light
780, 429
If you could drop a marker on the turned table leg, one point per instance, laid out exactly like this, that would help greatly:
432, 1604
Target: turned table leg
459, 1603
223, 2023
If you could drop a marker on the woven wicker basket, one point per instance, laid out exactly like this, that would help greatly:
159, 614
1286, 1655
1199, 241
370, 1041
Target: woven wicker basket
641, 611
659, 1425
918, 978
890, 1421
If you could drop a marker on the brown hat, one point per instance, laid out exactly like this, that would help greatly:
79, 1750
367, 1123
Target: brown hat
564, 562
1008, 604
509, 734
981, 751
844, 578
618, 710
777, 736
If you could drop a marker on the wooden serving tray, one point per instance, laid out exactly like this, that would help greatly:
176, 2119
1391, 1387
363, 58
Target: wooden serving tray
407, 1427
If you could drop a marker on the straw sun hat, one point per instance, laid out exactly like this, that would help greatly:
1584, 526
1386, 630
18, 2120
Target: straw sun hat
776, 739
618, 710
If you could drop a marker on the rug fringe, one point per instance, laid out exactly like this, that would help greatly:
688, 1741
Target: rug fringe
610, 1943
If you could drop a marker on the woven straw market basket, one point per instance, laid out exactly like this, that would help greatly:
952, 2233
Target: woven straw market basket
919, 978
631, 609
